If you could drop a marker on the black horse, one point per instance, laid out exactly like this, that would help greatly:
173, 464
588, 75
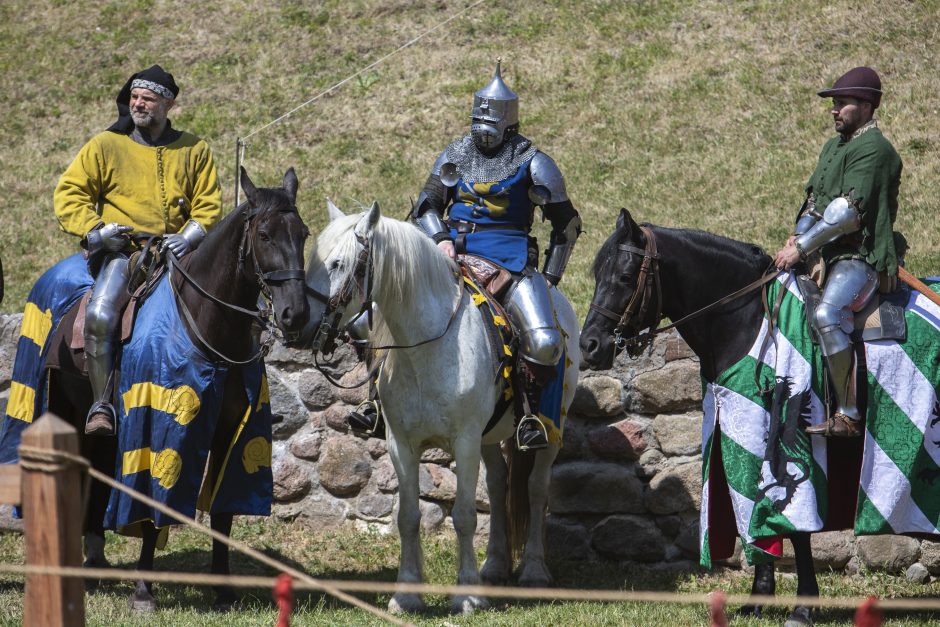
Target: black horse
257, 249
643, 273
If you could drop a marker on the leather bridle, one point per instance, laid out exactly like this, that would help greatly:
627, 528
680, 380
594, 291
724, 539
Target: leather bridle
641, 299
325, 337
647, 282
262, 279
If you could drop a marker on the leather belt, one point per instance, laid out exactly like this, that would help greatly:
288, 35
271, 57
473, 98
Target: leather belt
463, 227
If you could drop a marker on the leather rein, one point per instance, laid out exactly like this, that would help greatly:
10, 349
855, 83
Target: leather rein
649, 277
262, 279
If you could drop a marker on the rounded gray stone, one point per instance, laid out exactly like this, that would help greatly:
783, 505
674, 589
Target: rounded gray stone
679, 434
832, 549
345, 466
291, 480
893, 554
286, 403
917, 573
930, 556
598, 396
628, 538
677, 386
595, 488
567, 540
677, 489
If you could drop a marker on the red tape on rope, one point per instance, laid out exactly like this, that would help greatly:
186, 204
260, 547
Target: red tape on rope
716, 609
868, 614
284, 597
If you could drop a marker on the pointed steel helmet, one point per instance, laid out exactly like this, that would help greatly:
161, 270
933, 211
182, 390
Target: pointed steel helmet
495, 108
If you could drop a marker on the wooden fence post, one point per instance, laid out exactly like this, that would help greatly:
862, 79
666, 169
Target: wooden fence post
52, 516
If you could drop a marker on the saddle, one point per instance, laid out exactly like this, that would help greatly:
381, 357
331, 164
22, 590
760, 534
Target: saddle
881, 319
146, 270
484, 280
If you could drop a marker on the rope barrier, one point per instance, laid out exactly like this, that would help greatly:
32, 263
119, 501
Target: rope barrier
62, 457
868, 610
532, 594
365, 69
242, 142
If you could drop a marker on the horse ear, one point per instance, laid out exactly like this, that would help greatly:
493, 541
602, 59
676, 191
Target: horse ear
290, 184
625, 222
333, 211
369, 220
250, 190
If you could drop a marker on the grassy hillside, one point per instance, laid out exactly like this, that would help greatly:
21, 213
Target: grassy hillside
690, 114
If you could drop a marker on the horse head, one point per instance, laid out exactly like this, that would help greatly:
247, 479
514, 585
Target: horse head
273, 245
623, 303
339, 272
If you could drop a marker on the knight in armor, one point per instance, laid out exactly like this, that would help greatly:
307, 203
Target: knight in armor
140, 176
480, 200
856, 180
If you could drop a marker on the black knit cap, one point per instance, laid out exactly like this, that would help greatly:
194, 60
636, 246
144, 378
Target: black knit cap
155, 75
859, 82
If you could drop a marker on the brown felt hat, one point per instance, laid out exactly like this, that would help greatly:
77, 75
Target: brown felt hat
859, 82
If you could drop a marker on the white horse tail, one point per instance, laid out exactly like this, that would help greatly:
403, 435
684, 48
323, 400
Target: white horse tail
517, 498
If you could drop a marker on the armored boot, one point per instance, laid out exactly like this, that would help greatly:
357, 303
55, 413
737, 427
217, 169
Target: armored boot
366, 420
530, 432
845, 421
101, 416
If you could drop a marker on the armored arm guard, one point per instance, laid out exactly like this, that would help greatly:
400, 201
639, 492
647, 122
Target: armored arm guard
432, 201
839, 218
548, 185
560, 247
808, 216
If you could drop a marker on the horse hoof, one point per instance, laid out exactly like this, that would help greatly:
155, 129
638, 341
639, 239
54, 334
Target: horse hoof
402, 603
535, 577
225, 601
468, 605
750, 610
494, 576
96, 561
801, 616
144, 603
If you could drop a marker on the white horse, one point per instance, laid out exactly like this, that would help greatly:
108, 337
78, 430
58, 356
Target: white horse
438, 389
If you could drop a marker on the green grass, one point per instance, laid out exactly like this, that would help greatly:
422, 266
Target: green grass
690, 114
357, 556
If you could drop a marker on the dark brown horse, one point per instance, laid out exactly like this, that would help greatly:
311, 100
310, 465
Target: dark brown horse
643, 273
256, 250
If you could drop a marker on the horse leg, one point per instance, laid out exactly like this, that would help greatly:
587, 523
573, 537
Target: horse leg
405, 461
464, 515
532, 570
70, 398
142, 599
225, 597
498, 564
764, 584
806, 584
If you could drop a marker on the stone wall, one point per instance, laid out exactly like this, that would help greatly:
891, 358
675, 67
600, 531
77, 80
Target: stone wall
626, 485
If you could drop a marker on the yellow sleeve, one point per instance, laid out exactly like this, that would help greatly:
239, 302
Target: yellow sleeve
206, 204
75, 199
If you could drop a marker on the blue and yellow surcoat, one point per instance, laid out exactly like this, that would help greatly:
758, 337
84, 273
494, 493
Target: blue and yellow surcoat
495, 203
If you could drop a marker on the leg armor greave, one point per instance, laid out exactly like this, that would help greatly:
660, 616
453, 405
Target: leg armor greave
102, 315
529, 306
849, 287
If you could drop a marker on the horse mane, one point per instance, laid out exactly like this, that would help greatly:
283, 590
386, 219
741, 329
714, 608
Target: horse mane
408, 269
721, 252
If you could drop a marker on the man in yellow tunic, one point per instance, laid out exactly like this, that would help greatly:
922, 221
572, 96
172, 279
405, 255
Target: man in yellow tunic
140, 176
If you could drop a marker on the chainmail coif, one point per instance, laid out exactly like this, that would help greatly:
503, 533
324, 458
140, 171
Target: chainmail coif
474, 167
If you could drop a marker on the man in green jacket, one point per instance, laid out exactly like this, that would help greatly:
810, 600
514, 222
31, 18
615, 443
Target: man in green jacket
856, 180
141, 175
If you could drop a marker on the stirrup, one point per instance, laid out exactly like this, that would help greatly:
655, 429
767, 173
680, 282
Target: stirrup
531, 434
100, 419
366, 420
837, 426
